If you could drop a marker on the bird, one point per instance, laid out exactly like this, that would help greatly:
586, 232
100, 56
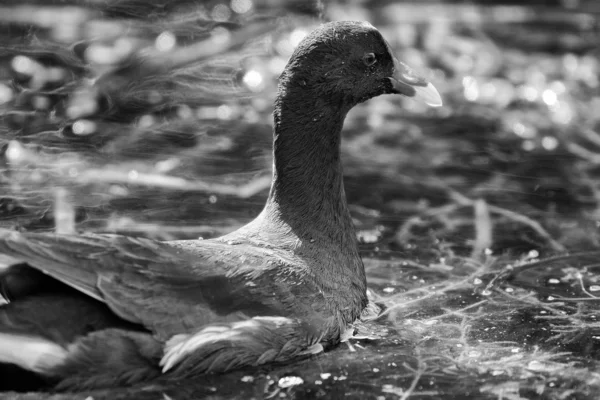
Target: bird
102, 310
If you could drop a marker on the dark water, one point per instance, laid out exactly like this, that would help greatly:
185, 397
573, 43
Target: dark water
454, 207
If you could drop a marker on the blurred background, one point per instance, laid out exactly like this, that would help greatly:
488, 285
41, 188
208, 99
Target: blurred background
153, 118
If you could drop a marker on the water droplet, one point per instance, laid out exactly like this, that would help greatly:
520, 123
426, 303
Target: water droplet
389, 290
296, 36
241, 6
533, 254
24, 65
167, 165
14, 151
529, 93
486, 293
220, 34
212, 199
254, 80
247, 378
165, 41
224, 112
470, 88
101, 54
535, 365
549, 97
290, 381
528, 145
184, 112
146, 121
594, 288
220, 13
6, 93
84, 127
553, 281
509, 290
133, 175
477, 281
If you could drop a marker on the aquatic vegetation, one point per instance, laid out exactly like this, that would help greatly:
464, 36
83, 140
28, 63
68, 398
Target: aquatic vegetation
160, 126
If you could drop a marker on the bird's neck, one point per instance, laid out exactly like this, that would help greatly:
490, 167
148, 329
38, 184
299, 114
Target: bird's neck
307, 193
306, 212
307, 172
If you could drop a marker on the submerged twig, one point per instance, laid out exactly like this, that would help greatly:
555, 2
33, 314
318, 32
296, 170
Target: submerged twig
171, 182
420, 370
515, 216
483, 229
440, 289
483, 222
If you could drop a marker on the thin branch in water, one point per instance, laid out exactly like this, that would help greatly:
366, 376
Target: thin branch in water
582, 285
171, 182
483, 229
451, 285
574, 299
520, 218
459, 312
421, 367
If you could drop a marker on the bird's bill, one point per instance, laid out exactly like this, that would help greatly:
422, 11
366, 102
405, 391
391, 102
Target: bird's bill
405, 81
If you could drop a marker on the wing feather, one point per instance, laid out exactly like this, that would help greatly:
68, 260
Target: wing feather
169, 287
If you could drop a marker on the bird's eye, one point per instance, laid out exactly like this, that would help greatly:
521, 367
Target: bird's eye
369, 59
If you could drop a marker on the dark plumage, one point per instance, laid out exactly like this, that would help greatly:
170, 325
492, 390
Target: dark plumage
284, 285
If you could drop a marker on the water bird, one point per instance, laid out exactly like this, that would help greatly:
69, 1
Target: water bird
100, 310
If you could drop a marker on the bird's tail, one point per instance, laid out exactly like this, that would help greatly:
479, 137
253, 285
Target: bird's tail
54, 336
223, 347
109, 358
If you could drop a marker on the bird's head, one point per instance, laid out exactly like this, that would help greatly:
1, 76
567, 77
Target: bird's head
347, 62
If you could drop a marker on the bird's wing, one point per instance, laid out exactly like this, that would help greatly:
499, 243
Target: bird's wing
169, 287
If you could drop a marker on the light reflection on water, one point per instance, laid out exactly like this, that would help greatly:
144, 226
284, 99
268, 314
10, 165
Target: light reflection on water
190, 165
